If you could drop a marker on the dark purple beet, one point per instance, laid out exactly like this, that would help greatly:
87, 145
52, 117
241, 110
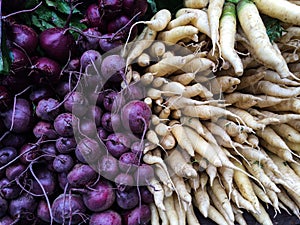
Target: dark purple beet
63, 124
101, 197
39, 94
5, 98
89, 39
49, 151
127, 199
88, 57
43, 211
3, 207
20, 60
110, 122
76, 103
81, 175
108, 167
139, 215
8, 189
29, 153
46, 179
45, 109
128, 162
22, 117
112, 68
73, 65
62, 88
117, 23
63, 163
46, 70
44, 130
94, 113
68, 209
110, 8
110, 100
93, 16
117, 144
124, 181
24, 36
57, 43
62, 180
89, 149
104, 218
137, 148
6, 220
136, 116
13, 171
102, 133
25, 204
146, 195
132, 7
88, 127
65, 145
110, 41
143, 174
14, 140
7, 154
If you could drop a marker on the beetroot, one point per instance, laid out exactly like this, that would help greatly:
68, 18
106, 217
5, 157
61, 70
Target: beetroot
20, 60
63, 124
24, 36
110, 41
89, 39
5, 98
45, 107
139, 215
136, 116
67, 209
21, 117
104, 218
57, 43
117, 23
112, 68
93, 16
88, 57
101, 197
110, 8
81, 175
46, 70
24, 204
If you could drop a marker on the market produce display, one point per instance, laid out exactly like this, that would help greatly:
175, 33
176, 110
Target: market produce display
134, 112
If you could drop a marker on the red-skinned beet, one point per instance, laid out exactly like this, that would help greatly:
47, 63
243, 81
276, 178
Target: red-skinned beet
20, 61
68, 209
101, 197
93, 17
20, 118
110, 8
110, 41
5, 98
89, 39
117, 23
57, 43
46, 71
105, 218
24, 36
139, 215
25, 204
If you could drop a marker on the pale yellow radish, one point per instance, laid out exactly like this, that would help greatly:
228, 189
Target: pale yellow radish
154, 214
245, 187
202, 147
171, 211
178, 33
255, 31
227, 32
287, 132
158, 193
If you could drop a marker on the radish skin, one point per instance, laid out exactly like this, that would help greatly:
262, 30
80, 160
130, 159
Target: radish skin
255, 31
280, 9
227, 37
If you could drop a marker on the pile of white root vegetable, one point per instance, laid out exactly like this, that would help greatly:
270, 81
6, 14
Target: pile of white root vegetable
225, 131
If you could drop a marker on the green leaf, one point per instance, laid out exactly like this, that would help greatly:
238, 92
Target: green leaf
273, 26
61, 6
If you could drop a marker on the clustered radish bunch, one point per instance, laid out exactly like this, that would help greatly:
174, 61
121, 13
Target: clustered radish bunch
224, 136
69, 154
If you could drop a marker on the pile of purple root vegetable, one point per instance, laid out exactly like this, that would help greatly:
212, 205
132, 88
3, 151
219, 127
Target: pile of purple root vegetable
64, 155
